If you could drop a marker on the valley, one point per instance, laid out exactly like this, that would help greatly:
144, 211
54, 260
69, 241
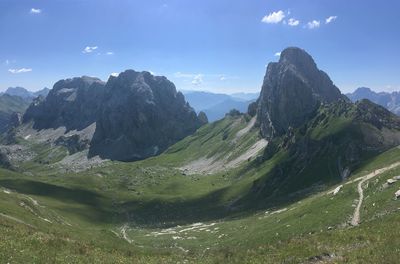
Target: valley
151, 211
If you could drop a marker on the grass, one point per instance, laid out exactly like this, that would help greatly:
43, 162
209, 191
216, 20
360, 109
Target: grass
53, 216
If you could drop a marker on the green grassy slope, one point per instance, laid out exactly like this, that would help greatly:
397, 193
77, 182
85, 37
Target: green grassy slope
85, 226
151, 211
339, 139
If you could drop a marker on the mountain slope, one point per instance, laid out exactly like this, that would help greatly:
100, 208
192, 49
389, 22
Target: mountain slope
325, 150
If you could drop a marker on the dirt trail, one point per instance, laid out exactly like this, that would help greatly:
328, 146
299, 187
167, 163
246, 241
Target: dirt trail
356, 216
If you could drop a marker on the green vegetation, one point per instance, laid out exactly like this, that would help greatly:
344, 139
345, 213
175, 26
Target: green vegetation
153, 211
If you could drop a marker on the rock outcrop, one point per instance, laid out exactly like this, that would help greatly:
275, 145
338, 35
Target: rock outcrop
292, 91
72, 103
202, 118
141, 115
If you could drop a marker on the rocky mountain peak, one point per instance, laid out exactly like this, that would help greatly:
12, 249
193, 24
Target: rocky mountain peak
297, 57
292, 90
141, 115
72, 103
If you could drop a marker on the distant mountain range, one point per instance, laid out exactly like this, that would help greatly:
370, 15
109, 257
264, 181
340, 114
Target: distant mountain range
216, 105
24, 93
13, 103
390, 101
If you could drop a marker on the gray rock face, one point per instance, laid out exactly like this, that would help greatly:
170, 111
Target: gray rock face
252, 109
141, 115
73, 143
73, 103
203, 119
292, 91
15, 120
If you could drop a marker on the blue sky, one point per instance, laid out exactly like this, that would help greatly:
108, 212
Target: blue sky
214, 45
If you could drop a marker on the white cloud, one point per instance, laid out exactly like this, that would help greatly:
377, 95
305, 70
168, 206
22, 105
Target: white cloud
35, 11
197, 80
274, 17
22, 70
89, 49
110, 53
313, 24
277, 54
293, 22
330, 19
114, 74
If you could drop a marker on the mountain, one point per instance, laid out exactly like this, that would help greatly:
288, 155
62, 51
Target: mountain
19, 91
321, 134
245, 96
132, 116
217, 105
204, 100
390, 101
25, 94
141, 115
9, 107
72, 103
219, 110
292, 91
329, 147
